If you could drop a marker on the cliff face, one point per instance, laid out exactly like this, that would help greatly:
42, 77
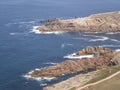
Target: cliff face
104, 57
104, 22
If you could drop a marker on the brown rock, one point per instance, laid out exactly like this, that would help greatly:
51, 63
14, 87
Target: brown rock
97, 50
106, 58
104, 22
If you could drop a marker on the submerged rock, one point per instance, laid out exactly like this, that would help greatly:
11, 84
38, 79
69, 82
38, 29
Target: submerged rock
103, 22
104, 58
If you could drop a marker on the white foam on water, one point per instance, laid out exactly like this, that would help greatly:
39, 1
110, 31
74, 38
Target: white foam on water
110, 45
90, 35
115, 40
37, 69
101, 38
68, 44
111, 33
97, 38
29, 22
17, 33
43, 84
117, 50
74, 56
53, 32
51, 63
24, 22
27, 76
20, 23
31, 72
9, 24
80, 38
41, 32
13, 33
62, 45
92, 32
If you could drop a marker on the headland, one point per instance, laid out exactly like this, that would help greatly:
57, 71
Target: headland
88, 68
102, 22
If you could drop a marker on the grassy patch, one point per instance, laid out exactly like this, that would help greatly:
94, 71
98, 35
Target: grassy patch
110, 84
105, 73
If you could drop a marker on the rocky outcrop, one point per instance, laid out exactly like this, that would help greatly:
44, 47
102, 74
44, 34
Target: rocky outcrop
96, 50
104, 22
104, 57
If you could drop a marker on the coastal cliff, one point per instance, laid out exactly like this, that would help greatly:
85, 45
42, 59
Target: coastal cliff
103, 57
103, 22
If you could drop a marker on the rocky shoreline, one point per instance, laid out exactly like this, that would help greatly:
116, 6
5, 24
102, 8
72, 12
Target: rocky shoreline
103, 22
103, 57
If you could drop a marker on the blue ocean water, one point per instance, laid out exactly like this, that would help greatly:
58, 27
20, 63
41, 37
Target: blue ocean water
22, 50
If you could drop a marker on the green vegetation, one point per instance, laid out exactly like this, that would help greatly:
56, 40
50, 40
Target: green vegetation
105, 73
111, 84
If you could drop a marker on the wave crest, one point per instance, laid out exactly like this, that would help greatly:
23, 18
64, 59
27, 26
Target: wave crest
40, 32
74, 56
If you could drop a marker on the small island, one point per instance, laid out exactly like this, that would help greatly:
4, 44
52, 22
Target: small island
103, 22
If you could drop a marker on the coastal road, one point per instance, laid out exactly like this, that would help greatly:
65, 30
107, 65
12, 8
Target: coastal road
86, 86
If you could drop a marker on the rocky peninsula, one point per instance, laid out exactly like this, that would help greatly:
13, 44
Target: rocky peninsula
86, 68
103, 22
103, 57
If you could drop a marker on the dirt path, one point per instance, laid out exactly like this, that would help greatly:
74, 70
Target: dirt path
99, 81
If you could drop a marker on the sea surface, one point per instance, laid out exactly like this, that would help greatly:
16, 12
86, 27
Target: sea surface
22, 50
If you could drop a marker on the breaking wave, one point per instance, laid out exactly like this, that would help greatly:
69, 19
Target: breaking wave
50, 63
74, 56
38, 78
110, 45
43, 84
110, 33
41, 32
117, 50
93, 32
101, 38
28, 76
97, 38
